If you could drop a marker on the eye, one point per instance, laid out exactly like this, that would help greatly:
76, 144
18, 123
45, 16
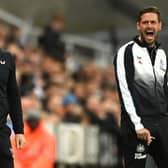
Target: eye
149, 22
153, 22
145, 22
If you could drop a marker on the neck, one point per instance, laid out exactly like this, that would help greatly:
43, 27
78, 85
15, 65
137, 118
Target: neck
150, 45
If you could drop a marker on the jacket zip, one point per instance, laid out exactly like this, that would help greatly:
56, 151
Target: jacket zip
155, 78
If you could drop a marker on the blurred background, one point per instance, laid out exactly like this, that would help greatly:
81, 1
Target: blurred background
64, 52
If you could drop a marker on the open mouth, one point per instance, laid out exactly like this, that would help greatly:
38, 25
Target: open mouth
149, 33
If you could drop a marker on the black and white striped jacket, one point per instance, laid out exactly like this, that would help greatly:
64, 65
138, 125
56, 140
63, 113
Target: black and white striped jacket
142, 84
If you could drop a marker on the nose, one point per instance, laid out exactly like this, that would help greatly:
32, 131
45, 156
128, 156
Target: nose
149, 24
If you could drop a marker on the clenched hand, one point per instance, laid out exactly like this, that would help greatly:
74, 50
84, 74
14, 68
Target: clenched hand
144, 134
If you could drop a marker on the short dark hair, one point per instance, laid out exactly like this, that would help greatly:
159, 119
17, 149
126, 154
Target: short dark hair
150, 9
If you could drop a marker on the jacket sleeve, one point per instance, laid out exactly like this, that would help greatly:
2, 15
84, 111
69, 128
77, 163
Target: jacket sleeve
124, 71
14, 100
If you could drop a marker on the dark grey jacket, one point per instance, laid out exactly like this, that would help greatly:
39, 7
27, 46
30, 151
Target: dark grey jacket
9, 93
141, 75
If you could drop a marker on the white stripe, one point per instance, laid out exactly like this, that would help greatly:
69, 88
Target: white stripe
126, 95
140, 156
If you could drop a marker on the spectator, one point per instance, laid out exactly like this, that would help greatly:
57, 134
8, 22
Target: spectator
40, 150
70, 102
101, 114
15, 34
51, 41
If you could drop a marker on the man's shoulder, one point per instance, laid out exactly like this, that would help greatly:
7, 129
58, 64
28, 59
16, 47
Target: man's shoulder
6, 58
5, 54
124, 46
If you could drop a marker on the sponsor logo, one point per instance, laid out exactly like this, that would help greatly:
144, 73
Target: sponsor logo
140, 148
140, 156
139, 59
140, 152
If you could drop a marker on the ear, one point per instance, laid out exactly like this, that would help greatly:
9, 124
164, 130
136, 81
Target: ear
160, 26
137, 26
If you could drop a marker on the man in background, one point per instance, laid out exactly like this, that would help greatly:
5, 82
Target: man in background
10, 104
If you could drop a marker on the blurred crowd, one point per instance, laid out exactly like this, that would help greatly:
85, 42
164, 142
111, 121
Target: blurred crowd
52, 93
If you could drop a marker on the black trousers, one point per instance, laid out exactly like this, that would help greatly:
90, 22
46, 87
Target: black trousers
6, 156
135, 151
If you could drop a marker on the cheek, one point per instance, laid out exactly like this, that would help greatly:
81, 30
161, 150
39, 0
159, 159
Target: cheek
141, 28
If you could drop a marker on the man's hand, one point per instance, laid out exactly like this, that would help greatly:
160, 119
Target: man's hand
144, 134
20, 141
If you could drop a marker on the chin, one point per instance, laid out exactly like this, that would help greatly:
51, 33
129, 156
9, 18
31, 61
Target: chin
150, 42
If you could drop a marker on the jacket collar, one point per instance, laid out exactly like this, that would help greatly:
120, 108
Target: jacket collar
144, 44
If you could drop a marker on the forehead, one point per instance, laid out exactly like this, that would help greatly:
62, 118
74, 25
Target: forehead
149, 16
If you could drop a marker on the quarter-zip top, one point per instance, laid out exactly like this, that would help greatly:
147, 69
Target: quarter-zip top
140, 73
